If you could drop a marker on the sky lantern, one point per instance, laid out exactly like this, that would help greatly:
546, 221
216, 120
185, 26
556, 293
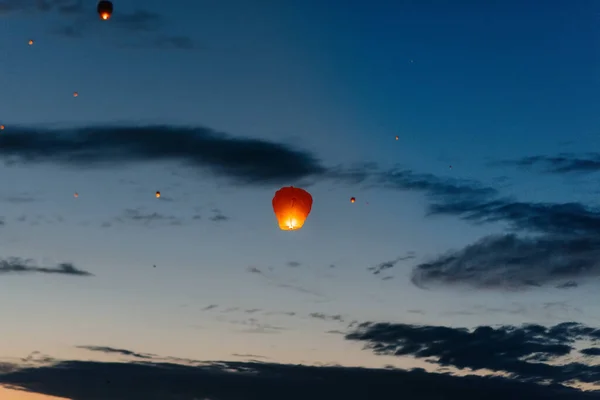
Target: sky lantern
397, 138
75, 94
105, 9
30, 42
352, 199
158, 195
1, 127
76, 195
291, 206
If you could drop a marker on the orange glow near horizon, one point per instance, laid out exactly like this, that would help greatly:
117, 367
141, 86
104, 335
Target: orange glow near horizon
11, 394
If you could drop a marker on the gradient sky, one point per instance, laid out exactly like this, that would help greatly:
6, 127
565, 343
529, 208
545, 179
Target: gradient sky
471, 88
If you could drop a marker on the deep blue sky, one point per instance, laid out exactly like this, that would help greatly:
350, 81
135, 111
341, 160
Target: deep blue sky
497, 109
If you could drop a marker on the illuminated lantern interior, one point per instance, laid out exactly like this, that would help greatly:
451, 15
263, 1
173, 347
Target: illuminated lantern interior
157, 195
352, 200
292, 206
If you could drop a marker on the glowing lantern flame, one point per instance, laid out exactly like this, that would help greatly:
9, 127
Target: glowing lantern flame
30, 42
157, 195
75, 94
397, 138
76, 195
352, 200
291, 206
105, 16
1, 127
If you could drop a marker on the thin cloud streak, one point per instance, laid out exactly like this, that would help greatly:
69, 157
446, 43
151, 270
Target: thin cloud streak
16, 265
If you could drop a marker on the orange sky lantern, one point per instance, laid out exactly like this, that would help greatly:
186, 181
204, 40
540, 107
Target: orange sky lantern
75, 94
30, 42
157, 195
76, 195
352, 199
105, 9
1, 127
397, 138
291, 206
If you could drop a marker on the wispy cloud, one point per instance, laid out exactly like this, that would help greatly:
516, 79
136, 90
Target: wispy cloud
531, 353
144, 28
560, 164
383, 266
112, 350
326, 317
18, 265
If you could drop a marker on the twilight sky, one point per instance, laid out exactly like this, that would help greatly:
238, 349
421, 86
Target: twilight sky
472, 248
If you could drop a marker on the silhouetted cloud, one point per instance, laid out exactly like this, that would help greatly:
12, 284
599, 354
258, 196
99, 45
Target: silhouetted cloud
20, 266
435, 187
210, 307
89, 380
112, 350
560, 164
529, 353
390, 264
218, 216
146, 218
243, 159
144, 28
250, 356
60, 6
326, 317
567, 231
509, 261
293, 264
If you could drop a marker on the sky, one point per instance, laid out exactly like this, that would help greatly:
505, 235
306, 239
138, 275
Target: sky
467, 267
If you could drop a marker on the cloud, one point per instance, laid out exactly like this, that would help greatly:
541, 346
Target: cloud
245, 160
567, 231
210, 307
251, 356
66, 7
112, 350
147, 218
512, 262
20, 266
218, 216
90, 380
143, 28
529, 353
390, 264
253, 325
326, 317
293, 264
561, 164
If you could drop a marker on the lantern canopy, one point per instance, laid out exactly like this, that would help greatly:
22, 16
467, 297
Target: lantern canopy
105, 9
291, 206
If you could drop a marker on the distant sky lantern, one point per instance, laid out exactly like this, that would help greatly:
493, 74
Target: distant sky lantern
291, 206
1, 127
397, 138
76, 195
352, 199
105, 9
30, 42
75, 94
157, 195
